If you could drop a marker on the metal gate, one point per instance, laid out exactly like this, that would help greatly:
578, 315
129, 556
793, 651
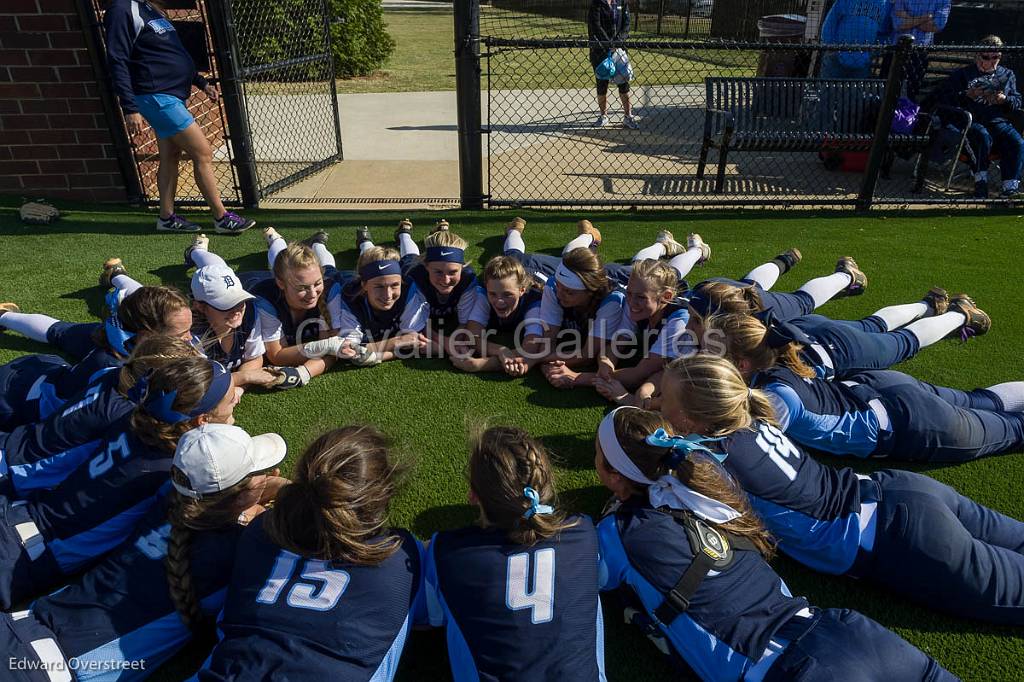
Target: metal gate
277, 118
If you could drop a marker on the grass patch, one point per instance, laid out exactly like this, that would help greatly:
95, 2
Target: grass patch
427, 407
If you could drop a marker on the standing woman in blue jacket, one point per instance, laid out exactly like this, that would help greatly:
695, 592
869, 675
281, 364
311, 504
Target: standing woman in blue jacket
608, 21
153, 75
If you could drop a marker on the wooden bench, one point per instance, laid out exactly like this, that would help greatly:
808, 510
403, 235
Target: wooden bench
795, 115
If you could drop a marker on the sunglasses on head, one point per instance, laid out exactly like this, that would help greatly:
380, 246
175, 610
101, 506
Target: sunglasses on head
989, 57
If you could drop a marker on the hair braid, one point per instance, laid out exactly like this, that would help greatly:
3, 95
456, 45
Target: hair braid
178, 566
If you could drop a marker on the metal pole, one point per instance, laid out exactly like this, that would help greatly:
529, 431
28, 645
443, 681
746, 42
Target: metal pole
330, 75
225, 48
467, 95
880, 143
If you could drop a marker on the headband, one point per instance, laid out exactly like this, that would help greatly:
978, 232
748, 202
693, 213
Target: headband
568, 278
667, 491
445, 254
700, 303
159, 404
781, 333
379, 268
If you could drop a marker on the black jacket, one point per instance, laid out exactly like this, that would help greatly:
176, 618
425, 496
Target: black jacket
1002, 80
601, 27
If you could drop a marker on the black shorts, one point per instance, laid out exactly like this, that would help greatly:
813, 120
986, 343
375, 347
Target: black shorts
602, 87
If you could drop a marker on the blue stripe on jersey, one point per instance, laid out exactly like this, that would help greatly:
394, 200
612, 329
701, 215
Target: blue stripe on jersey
389, 665
74, 552
853, 432
49, 472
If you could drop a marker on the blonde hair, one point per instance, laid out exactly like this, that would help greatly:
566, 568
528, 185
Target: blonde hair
728, 298
991, 41
744, 337
504, 267
712, 392
503, 462
151, 353
445, 238
590, 268
656, 274
695, 471
337, 507
297, 256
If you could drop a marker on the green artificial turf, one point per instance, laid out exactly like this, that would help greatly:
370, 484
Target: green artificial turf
428, 408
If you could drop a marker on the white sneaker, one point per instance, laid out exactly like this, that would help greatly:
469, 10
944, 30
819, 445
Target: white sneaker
695, 242
631, 123
672, 247
601, 122
270, 234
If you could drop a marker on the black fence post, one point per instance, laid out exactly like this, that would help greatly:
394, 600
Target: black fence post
467, 95
225, 47
880, 143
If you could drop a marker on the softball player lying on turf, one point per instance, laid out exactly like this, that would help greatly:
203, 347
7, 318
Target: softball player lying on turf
55, 533
34, 386
518, 592
323, 588
164, 584
901, 529
684, 542
877, 413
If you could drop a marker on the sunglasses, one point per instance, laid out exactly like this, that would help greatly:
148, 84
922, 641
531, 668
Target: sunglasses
989, 57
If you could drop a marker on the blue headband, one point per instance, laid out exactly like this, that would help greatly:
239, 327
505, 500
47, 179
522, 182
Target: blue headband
535, 506
159, 404
445, 254
681, 446
379, 268
116, 335
781, 333
700, 303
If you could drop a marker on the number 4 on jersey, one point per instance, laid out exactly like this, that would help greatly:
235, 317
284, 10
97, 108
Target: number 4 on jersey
541, 599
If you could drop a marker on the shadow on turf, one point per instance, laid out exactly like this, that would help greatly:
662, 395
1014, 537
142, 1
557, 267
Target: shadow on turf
445, 517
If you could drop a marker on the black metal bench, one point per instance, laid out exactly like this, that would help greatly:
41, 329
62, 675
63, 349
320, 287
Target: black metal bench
795, 115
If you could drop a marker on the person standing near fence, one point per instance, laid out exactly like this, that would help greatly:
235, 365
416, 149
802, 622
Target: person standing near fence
921, 19
853, 22
989, 92
607, 22
153, 75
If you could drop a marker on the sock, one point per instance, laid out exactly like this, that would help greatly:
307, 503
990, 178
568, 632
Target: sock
685, 261
766, 275
276, 247
1012, 395
125, 285
32, 325
981, 176
406, 245
514, 242
366, 245
581, 242
202, 258
652, 252
929, 330
896, 316
323, 255
822, 289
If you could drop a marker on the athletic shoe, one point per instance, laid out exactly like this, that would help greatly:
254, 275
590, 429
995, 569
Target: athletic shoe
319, 237
8, 307
232, 223
695, 242
981, 189
672, 247
858, 280
786, 261
631, 123
587, 227
441, 226
517, 224
201, 242
404, 227
937, 299
363, 235
111, 269
601, 122
175, 223
270, 234
978, 322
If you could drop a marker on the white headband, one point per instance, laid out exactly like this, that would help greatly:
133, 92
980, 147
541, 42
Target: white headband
568, 278
667, 491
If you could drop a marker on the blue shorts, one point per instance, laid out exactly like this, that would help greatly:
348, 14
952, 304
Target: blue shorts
166, 113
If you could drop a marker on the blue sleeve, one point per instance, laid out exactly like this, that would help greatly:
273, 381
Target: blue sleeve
434, 612
121, 33
419, 606
1013, 98
853, 433
612, 569
941, 15
830, 29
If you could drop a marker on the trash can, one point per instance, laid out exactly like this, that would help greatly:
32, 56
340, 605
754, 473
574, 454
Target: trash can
782, 28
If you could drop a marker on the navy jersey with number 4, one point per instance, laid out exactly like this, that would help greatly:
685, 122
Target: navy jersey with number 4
515, 612
287, 617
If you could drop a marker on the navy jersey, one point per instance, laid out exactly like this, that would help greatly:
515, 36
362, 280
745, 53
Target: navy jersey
528, 308
603, 324
41, 454
246, 341
276, 322
730, 629
364, 324
668, 337
121, 609
26, 391
291, 618
467, 302
515, 612
837, 417
813, 510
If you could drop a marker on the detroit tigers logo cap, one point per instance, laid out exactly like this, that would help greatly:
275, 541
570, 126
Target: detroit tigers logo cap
215, 457
218, 286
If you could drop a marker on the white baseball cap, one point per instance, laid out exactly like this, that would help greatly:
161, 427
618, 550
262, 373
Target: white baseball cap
218, 286
215, 457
